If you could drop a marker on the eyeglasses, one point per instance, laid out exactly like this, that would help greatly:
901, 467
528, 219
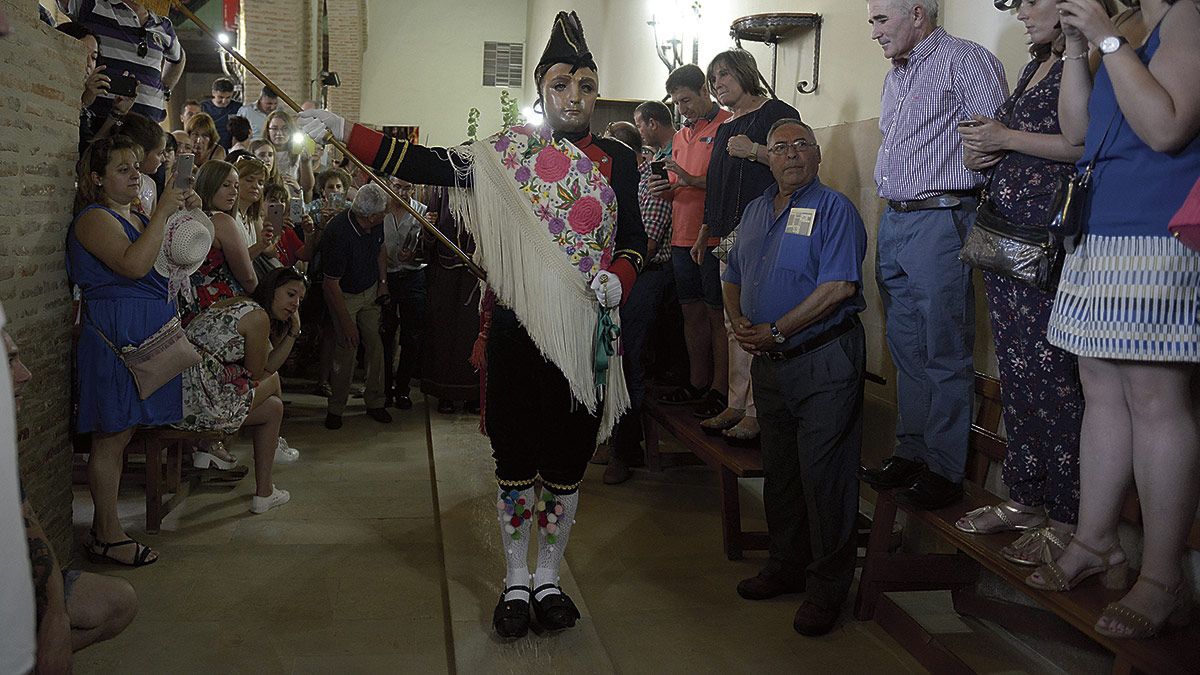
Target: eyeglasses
143, 47
799, 145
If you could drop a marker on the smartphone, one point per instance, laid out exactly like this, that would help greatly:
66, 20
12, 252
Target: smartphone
123, 85
969, 123
184, 166
659, 168
296, 204
275, 217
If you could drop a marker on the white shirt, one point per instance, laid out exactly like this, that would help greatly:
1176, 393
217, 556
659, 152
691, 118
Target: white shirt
147, 194
18, 615
256, 117
402, 234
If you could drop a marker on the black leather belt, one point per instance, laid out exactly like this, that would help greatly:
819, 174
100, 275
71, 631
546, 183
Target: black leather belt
817, 341
947, 200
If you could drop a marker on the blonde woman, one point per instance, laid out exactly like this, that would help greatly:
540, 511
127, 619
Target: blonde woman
202, 131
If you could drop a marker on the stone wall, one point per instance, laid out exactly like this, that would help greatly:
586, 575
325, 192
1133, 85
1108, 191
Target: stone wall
41, 76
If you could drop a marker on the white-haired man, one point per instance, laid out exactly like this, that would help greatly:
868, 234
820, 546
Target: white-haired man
936, 81
355, 285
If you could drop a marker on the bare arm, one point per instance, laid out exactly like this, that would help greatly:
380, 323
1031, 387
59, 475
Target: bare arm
261, 243
171, 72
1074, 92
104, 237
991, 137
233, 244
54, 626
307, 179
732, 296
263, 358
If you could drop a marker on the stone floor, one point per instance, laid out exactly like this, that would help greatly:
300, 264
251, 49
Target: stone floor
386, 560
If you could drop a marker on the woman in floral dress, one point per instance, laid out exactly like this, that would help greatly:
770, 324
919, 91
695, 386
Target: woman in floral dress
243, 342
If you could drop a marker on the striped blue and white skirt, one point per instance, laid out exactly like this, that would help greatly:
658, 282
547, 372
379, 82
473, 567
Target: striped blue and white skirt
1133, 298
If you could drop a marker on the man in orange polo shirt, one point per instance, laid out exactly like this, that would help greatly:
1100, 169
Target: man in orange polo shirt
698, 287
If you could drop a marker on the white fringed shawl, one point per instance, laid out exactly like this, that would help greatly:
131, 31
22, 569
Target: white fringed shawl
530, 274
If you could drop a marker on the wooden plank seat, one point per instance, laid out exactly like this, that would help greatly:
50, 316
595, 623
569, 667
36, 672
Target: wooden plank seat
1176, 651
162, 473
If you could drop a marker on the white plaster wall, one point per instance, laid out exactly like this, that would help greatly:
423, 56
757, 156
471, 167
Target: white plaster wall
424, 63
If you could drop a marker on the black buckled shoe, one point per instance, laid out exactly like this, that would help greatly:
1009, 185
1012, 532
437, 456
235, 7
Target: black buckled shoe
511, 618
771, 582
930, 492
895, 472
555, 611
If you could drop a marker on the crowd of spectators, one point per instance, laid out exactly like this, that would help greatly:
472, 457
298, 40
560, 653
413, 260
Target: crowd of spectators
762, 259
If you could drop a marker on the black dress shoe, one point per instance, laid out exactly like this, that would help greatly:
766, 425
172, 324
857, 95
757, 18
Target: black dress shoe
555, 611
445, 406
380, 415
930, 492
772, 582
812, 620
511, 618
895, 472
333, 422
403, 402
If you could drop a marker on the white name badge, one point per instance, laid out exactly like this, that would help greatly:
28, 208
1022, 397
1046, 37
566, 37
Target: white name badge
800, 221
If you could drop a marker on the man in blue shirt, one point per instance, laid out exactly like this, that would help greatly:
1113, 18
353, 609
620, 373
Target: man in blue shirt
793, 291
355, 287
221, 107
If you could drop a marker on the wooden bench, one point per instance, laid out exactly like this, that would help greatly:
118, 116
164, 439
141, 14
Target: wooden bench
884, 571
731, 463
164, 450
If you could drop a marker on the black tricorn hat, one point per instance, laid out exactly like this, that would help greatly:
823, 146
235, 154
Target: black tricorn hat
566, 45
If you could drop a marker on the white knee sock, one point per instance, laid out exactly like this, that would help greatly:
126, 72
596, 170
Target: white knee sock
515, 511
555, 515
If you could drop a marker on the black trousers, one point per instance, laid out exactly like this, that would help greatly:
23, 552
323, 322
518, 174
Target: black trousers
536, 426
404, 314
810, 409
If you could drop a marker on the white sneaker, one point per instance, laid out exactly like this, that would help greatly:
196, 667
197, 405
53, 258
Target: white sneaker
285, 454
263, 504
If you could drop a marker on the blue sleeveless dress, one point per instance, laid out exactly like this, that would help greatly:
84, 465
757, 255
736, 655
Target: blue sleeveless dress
1130, 290
128, 311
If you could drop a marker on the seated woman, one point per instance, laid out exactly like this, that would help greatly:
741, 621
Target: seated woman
110, 255
243, 342
228, 271
206, 142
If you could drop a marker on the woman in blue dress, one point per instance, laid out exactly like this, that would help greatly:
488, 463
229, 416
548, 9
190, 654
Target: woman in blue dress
110, 256
1128, 304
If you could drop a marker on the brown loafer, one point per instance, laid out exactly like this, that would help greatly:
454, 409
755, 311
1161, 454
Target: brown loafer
812, 620
770, 583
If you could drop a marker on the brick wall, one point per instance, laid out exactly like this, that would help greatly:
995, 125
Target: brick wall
41, 73
277, 39
347, 43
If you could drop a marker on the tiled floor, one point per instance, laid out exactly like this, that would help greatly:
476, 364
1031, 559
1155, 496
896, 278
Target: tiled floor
360, 573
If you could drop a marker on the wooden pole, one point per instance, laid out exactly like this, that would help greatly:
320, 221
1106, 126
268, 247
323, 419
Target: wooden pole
437, 234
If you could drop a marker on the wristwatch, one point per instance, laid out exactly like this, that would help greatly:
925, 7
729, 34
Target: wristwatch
779, 337
1111, 44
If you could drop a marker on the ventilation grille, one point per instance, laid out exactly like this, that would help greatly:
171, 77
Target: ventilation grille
503, 64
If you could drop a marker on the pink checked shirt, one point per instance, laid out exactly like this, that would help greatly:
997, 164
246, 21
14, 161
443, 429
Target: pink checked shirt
946, 80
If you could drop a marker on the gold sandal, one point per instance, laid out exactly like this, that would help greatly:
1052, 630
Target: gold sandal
1138, 625
1003, 511
1054, 579
1037, 547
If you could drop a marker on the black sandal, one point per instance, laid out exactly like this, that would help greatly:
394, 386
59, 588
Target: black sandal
141, 556
511, 618
681, 395
556, 611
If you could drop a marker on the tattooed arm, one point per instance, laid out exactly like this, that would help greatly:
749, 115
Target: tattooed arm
54, 627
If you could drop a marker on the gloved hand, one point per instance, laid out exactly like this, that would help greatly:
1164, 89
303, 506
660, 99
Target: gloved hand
316, 122
608, 289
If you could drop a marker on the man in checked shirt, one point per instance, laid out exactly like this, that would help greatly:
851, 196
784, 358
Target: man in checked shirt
936, 82
647, 296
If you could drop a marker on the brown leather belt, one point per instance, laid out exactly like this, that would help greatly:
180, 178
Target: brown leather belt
947, 200
820, 340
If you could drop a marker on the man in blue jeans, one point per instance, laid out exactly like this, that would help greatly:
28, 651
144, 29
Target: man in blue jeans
793, 291
936, 81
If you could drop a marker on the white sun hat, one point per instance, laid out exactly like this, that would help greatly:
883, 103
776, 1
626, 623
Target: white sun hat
186, 242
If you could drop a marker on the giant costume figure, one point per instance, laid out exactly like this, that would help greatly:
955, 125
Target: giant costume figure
554, 214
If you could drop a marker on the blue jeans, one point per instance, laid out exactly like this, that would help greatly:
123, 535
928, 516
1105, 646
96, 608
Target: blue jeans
649, 292
930, 309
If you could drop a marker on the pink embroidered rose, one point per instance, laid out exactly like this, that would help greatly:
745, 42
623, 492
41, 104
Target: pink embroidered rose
606, 259
585, 215
552, 165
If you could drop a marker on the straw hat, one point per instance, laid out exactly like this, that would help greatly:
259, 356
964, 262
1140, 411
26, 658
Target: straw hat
186, 242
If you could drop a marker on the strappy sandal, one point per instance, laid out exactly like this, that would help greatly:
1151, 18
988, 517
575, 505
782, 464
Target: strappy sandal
1004, 512
1054, 579
141, 556
738, 436
1138, 625
713, 426
1037, 546
555, 611
511, 618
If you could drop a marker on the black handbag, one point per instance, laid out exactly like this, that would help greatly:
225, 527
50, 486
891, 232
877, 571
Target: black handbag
1070, 199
